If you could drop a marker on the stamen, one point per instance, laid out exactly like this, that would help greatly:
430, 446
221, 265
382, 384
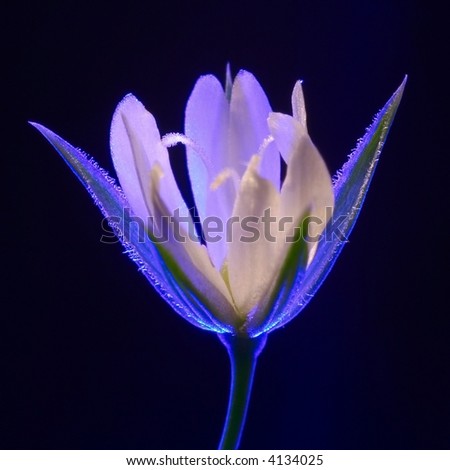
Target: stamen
175, 138
223, 176
265, 143
171, 140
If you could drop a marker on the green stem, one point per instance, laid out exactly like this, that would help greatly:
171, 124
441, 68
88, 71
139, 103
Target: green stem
243, 352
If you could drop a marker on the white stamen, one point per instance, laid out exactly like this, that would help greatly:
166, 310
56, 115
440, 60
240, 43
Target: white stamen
174, 138
265, 143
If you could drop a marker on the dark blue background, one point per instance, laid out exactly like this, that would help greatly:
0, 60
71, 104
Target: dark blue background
91, 357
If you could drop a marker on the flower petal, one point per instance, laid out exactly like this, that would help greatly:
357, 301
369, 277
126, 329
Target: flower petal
249, 110
206, 124
251, 254
135, 147
306, 193
307, 188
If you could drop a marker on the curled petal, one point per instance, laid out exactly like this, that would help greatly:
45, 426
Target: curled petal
135, 147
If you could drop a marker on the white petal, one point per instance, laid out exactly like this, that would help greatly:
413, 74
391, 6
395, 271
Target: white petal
249, 110
298, 104
136, 146
206, 124
128, 151
307, 189
192, 258
252, 258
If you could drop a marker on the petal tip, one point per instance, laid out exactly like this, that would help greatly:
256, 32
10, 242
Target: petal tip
244, 75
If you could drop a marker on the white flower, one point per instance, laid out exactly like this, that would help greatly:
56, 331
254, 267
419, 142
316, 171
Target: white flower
233, 151
234, 143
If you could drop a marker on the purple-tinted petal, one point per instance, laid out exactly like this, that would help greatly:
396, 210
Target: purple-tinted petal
249, 110
135, 147
206, 124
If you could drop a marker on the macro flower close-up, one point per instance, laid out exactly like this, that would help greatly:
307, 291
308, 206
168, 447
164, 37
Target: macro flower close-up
268, 222
233, 149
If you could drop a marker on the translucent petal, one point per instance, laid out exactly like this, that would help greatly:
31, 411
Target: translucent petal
252, 261
206, 124
113, 204
307, 188
297, 287
249, 110
129, 154
135, 147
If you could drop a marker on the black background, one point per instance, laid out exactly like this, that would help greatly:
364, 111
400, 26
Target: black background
91, 357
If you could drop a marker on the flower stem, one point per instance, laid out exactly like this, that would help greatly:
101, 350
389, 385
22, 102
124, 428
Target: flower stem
243, 352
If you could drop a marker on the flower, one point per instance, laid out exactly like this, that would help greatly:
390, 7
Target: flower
234, 146
234, 142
